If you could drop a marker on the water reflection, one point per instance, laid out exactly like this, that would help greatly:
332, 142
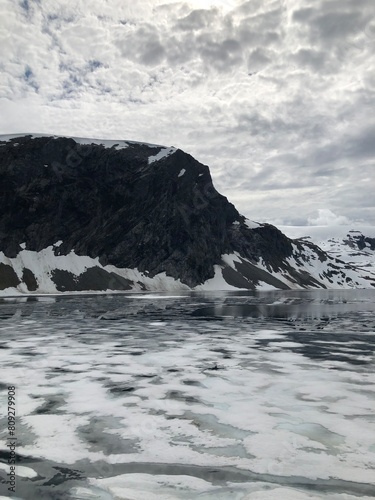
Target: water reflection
306, 305
292, 305
302, 310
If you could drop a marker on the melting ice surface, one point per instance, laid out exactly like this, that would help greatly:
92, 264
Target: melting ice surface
198, 395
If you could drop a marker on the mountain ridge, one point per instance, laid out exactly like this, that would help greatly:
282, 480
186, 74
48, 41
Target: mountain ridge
353, 244
125, 215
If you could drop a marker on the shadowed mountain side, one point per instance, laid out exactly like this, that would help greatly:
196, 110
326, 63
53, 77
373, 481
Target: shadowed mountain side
131, 206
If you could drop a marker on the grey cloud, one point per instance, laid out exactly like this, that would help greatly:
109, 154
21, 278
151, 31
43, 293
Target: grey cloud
286, 159
261, 179
361, 145
275, 18
208, 36
250, 37
258, 60
143, 45
303, 15
268, 126
28, 7
94, 65
196, 20
335, 25
315, 59
358, 200
329, 172
25, 5
269, 20
249, 7
355, 147
220, 55
216, 46
180, 49
348, 5
330, 26
262, 29
216, 52
279, 178
152, 52
369, 30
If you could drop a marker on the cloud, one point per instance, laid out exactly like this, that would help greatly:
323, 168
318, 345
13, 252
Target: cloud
327, 218
277, 98
196, 20
258, 59
315, 60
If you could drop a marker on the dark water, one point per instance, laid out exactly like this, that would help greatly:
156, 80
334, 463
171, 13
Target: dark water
156, 363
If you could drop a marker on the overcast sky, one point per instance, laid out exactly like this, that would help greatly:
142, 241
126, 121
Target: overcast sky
276, 97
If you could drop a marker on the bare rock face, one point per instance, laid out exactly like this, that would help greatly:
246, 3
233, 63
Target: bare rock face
113, 204
129, 205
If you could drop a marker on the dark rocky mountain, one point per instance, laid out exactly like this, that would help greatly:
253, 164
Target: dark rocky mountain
95, 215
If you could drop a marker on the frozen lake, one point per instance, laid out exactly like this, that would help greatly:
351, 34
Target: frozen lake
199, 395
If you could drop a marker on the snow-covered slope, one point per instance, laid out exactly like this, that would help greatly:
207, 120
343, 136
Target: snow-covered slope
107, 143
80, 215
52, 274
307, 266
354, 245
49, 273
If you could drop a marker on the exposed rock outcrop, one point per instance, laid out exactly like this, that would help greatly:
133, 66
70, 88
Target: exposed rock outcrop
111, 206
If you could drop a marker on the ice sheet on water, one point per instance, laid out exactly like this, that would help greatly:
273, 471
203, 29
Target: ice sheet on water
26, 472
141, 486
241, 393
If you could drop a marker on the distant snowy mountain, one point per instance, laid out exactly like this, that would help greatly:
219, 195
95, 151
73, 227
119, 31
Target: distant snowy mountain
95, 215
353, 245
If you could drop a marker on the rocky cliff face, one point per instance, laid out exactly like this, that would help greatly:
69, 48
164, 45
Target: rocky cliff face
94, 215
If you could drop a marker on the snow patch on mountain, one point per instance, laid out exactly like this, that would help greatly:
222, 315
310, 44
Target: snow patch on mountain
353, 245
163, 153
323, 233
252, 224
305, 266
45, 263
107, 143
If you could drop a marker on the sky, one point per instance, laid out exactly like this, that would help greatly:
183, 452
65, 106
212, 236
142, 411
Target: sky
277, 97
